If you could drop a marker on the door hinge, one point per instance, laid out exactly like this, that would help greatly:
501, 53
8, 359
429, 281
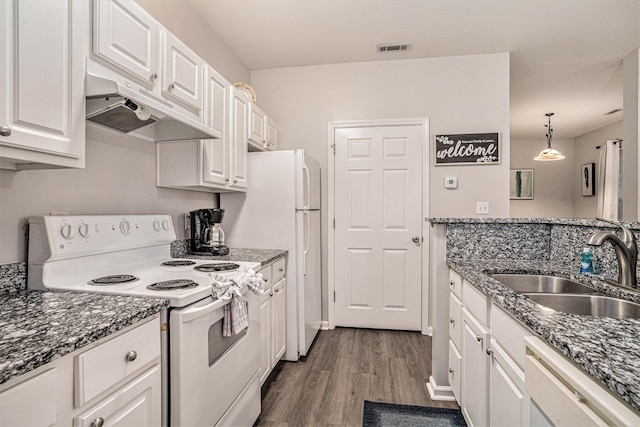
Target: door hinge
334, 148
334, 296
334, 223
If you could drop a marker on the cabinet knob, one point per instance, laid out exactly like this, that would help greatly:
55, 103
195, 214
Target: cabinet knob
278, 291
265, 279
131, 356
479, 338
172, 86
235, 180
452, 320
452, 283
5, 131
271, 294
489, 352
226, 179
98, 422
153, 76
451, 370
281, 269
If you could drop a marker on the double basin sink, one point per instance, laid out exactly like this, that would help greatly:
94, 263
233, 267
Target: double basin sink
565, 295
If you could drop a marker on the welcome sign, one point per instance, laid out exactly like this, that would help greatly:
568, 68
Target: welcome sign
465, 148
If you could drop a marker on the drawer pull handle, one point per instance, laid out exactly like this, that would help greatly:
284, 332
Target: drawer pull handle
489, 352
98, 422
579, 396
452, 320
479, 338
131, 356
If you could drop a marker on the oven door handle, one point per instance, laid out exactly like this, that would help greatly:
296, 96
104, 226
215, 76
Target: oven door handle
214, 306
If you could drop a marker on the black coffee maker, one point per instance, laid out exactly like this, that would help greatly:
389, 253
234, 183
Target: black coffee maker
207, 236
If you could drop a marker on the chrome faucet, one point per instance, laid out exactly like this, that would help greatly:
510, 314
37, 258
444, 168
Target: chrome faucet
626, 252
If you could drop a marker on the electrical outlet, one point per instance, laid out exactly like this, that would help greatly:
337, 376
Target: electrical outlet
482, 208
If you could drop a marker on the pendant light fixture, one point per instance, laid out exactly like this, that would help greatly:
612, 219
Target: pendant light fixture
549, 153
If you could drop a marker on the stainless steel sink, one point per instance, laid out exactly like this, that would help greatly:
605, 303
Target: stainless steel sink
591, 305
529, 283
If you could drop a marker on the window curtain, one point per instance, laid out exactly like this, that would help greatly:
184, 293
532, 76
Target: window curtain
608, 189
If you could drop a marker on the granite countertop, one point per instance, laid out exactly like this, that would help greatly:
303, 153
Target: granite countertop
43, 326
606, 348
263, 256
585, 222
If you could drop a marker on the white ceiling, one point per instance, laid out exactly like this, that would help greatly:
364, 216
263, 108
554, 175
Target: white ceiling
566, 55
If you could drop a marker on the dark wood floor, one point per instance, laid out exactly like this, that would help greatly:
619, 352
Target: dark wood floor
345, 367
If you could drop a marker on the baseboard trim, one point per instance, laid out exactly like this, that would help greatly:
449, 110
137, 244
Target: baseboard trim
437, 392
324, 325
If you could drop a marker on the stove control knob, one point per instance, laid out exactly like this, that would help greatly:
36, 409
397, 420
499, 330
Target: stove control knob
156, 225
84, 230
165, 225
125, 227
67, 231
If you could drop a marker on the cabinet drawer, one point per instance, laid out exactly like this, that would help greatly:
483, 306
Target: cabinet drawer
476, 302
455, 319
278, 270
101, 367
509, 333
455, 283
266, 276
455, 366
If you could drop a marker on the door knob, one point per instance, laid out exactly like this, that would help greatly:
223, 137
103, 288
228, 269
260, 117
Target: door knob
415, 239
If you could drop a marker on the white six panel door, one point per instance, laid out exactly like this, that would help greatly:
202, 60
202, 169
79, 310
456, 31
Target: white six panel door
378, 210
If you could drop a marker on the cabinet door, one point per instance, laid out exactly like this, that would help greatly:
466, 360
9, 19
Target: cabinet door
238, 145
138, 403
474, 370
455, 320
265, 335
508, 400
216, 92
455, 366
42, 77
32, 402
215, 161
126, 36
182, 77
271, 133
256, 125
279, 320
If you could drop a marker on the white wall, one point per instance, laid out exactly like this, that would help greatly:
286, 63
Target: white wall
553, 182
458, 95
586, 152
631, 136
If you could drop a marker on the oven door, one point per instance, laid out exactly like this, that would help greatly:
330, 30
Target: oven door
208, 371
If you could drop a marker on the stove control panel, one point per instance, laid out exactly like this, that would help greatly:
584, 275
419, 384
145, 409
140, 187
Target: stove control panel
70, 236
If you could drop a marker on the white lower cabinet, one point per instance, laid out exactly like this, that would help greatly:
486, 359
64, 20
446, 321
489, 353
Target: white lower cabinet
117, 381
272, 317
485, 366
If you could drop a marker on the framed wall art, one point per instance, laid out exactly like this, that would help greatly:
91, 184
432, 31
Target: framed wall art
467, 149
521, 184
587, 175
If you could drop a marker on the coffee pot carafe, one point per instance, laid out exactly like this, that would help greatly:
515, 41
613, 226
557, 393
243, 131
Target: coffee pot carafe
207, 236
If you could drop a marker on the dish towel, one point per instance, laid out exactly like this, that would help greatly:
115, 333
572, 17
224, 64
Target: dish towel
236, 317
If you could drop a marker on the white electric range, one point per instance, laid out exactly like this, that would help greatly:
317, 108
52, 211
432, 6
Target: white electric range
211, 379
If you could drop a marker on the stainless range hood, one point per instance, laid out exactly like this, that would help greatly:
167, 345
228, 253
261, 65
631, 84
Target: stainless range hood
116, 106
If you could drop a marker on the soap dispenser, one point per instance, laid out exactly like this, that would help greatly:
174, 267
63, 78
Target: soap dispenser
586, 261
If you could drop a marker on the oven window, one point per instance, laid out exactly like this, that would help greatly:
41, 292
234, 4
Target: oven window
218, 344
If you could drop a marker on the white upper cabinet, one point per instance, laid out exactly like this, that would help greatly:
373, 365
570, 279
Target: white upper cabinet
182, 76
263, 130
215, 106
239, 111
126, 36
42, 123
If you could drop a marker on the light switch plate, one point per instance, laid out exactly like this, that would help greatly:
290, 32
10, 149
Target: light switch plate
450, 182
482, 208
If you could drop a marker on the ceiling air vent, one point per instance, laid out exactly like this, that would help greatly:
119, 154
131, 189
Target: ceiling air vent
617, 110
398, 47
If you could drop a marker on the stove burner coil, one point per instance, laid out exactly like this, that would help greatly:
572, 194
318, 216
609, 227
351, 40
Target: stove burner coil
113, 280
170, 285
178, 263
223, 266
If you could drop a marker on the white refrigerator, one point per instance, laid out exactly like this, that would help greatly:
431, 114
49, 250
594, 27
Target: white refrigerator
281, 210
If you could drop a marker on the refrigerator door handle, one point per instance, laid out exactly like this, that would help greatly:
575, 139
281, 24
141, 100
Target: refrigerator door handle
307, 246
305, 169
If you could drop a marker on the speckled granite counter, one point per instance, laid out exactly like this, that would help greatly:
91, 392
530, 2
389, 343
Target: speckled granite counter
180, 249
606, 348
39, 327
